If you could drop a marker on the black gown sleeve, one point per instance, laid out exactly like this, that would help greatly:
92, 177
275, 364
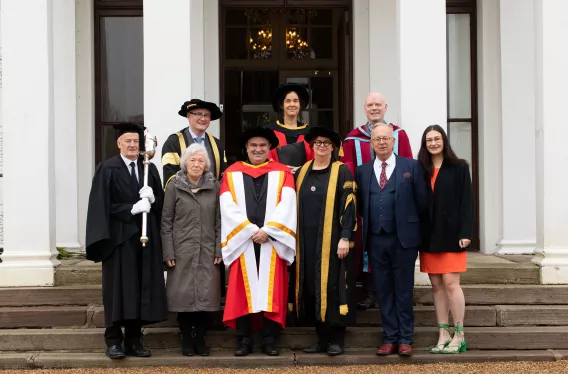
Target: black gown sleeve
171, 153
98, 215
348, 213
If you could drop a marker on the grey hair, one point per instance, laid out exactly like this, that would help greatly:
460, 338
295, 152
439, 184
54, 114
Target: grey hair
374, 125
190, 151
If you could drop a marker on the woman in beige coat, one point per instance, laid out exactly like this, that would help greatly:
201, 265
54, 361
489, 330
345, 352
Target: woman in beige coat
191, 242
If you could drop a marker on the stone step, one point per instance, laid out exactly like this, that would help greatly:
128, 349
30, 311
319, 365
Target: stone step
488, 338
61, 295
476, 316
502, 294
424, 316
486, 273
46, 316
475, 294
287, 359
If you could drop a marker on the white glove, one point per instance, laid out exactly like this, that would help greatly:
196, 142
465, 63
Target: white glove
142, 206
148, 193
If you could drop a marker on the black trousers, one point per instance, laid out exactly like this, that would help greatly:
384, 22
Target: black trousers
326, 334
132, 333
369, 285
270, 329
189, 321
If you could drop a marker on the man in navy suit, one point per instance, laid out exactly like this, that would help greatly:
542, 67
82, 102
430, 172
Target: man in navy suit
392, 196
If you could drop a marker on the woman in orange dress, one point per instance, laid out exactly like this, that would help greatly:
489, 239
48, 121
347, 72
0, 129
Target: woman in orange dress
447, 233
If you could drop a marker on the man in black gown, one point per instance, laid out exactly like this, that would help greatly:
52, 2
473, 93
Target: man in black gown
133, 279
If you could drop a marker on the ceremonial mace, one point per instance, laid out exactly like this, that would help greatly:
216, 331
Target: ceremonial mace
150, 144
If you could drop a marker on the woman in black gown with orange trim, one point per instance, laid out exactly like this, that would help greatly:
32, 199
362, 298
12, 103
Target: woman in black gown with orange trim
288, 100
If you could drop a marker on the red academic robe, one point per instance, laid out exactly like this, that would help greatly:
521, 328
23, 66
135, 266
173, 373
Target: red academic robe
262, 292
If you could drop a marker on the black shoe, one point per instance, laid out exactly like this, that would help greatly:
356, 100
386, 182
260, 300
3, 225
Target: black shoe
187, 345
115, 352
137, 350
319, 347
270, 349
367, 303
335, 350
199, 344
244, 347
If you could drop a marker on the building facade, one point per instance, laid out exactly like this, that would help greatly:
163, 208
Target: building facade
493, 72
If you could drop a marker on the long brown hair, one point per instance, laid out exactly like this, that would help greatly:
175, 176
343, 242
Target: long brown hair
425, 158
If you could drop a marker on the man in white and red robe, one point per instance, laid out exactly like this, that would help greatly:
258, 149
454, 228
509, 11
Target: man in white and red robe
258, 241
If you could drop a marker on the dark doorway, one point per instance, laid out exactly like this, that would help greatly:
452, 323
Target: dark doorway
268, 43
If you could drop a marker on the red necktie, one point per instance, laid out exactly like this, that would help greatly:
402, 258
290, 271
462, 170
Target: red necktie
383, 178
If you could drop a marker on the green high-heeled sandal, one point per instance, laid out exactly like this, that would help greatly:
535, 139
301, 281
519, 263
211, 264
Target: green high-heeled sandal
439, 347
452, 349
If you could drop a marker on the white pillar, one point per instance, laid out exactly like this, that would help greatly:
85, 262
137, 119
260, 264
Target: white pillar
174, 64
489, 99
29, 208
361, 58
85, 73
167, 67
551, 21
211, 56
384, 57
518, 124
422, 61
404, 53
65, 117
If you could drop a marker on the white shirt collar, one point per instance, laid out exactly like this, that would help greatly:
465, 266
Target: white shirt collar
390, 161
128, 161
194, 136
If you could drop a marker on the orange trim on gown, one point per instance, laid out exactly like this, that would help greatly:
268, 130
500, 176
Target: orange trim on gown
443, 262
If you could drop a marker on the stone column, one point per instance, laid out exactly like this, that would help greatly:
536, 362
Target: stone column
65, 117
400, 34
29, 141
174, 64
489, 111
422, 60
551, 21
518, 124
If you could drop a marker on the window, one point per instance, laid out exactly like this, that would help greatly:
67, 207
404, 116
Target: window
119, 74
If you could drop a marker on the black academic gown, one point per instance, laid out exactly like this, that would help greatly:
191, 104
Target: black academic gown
335, 306
133, 279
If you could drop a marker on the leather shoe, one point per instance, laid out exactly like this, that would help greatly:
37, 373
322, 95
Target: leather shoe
335, 350
270, 349
115, 352
244, 348
366, 303
386, 349
404, 350
316, 348
137, 350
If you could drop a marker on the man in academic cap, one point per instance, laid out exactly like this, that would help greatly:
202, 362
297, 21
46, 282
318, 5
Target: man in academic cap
133, 280
199, 115
258, 241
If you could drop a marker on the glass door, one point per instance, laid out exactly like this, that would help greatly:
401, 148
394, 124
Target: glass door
323, 87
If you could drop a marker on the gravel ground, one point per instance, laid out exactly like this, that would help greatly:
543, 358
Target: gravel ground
473, 368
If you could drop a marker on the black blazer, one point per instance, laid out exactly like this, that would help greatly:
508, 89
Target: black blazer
451, 210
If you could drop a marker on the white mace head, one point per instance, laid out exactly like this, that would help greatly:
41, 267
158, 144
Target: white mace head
150, 145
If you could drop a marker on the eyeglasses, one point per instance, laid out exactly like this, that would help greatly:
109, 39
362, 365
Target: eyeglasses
201, 115
383, 139
324, 144
434, 140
